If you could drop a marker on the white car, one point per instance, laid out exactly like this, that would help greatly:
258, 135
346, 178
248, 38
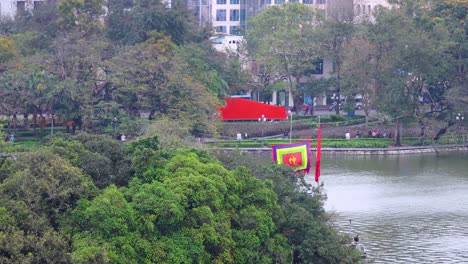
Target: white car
358, 105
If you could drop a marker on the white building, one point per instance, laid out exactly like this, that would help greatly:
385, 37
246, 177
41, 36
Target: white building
9, 8
231, 16
226, 16
226, 42
364, 9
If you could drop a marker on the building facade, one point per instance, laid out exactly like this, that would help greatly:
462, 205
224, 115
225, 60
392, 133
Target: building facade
224, 21
9, 8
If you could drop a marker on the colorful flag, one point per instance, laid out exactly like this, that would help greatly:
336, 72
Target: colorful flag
296, 155
319, 154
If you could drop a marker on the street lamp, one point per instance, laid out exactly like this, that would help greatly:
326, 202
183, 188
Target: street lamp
460, 118
52, 125
263, 120
115, 123
290, 127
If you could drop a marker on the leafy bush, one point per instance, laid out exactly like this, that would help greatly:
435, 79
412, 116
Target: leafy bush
337, 118
194, 210
301, 216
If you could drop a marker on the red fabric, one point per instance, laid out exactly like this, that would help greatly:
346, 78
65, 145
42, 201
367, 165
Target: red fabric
292, 159
244, 109
319, 154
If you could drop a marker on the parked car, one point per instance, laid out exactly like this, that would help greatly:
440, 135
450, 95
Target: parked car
358, 105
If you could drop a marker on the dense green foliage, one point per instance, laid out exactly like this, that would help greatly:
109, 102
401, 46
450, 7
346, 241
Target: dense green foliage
301, 219
91, 199
69, 60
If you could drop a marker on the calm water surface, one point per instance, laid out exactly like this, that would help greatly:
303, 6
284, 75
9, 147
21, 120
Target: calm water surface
406, 209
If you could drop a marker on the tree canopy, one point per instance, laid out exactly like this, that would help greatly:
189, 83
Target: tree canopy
175, 205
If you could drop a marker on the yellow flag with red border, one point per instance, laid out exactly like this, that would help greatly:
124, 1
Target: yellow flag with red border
296, 155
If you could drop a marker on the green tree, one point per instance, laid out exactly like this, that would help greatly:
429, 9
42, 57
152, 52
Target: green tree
269, 38
301, 218
83, 16
449, 17
360, 80
7, 49
26, 237
132, 22
101, 157
47, 184
184, 208
407, 64
153, 79
208, 72
338, 31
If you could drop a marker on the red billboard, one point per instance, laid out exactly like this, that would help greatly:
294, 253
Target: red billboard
244, 109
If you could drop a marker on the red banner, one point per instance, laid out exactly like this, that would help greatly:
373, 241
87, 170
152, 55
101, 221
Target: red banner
319, 154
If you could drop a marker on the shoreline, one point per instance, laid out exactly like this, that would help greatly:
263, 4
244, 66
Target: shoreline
373, 151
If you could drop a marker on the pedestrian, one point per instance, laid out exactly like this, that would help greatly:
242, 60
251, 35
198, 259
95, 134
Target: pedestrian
347, 135
369, 133
358, 134
385, 134
12, 138
123, 138
374, 134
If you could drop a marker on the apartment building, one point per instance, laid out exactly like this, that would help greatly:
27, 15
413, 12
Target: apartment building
226, 16
364, 9
231, 16
9, 8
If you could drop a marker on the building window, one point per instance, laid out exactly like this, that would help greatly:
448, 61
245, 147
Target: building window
234, 2
279, 2
316, 67
217, 41
234, 15
221, 15
358, 9
369, 9
308, 2
221, 2
320, 2
265, 2
221, 29
38, 4
234, 30
20, 7
293, 1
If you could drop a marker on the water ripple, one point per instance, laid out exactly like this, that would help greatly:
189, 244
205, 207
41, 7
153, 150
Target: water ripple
405, 209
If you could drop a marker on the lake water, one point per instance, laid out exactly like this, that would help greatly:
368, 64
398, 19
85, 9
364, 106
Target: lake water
406, 209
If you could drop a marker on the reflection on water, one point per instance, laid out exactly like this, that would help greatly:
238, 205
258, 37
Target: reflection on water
406, 209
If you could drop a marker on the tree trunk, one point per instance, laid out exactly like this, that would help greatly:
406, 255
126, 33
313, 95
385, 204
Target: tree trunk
151, 114
35, 122
286, 67
397, 133
443, 131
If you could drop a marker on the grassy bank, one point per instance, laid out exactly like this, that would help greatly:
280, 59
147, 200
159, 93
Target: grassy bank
338, 143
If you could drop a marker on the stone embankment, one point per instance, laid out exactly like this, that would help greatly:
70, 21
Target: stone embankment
374, 151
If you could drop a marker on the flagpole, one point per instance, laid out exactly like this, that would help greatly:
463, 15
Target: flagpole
318, 153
